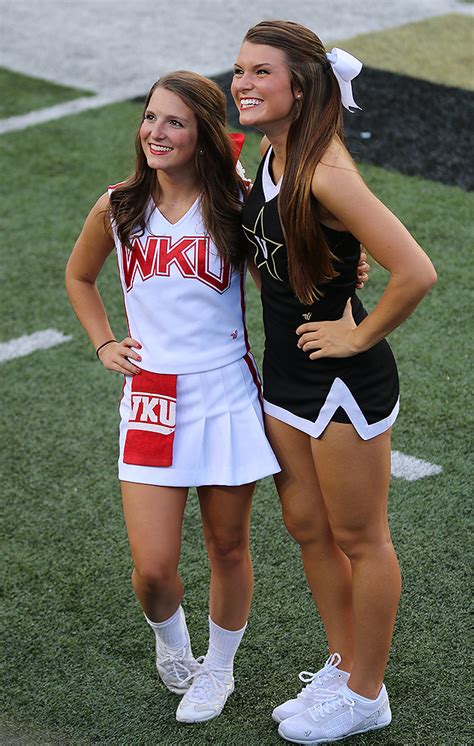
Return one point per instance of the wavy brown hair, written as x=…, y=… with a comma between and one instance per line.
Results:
x=222, y=188
x=318, y=118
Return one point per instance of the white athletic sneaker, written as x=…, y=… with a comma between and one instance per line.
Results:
x=207, y=695
x=319, y=686
x=176, y=666
x=338, y=717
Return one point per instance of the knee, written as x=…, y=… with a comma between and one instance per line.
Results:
x=154, y=578
x=359, y=543
x=304, y=530
x=229, y=549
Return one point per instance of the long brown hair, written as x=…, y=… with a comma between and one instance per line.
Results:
x=318, y=117
x=222, y=188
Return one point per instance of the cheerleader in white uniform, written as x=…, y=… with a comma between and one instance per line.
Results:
x=191, y=411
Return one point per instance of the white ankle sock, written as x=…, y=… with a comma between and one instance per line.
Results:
x=223, y=644
x=172, y=631
x=361, y=698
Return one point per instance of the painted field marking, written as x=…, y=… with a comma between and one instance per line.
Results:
x=75, y=106
x=411, y=468
x=30, y=343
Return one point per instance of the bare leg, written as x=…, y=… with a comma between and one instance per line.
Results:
x=225, y=513
x=327, y=568
x=154, y=516
x=354, y=478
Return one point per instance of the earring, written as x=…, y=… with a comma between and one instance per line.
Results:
x=201, y=152
x=298, y=95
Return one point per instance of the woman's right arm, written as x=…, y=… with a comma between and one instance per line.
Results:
x=88, y=256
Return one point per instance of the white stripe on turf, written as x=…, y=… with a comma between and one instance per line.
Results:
x=49, y=114
x=411, y=468
x=30, y=343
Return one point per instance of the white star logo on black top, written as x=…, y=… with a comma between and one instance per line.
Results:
x=267, y=247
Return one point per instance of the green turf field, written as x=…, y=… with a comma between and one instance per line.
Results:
x=438, y=49
x=22, y=93
x=78, y=657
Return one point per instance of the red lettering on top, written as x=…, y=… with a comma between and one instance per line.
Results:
x=191, y=255
x=175, y=254
x=140, y=259
x=218, y=282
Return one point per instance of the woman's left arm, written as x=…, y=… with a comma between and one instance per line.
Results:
x=254, y=272
x=343, y=192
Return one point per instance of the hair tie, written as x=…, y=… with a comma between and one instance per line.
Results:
x=345, y=67
x=109, y=341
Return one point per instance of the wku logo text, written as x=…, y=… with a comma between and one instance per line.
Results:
x=150, y=412
x=190, y=256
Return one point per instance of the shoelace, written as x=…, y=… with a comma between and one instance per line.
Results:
x=332, y=704
x=177, y=662
x=206, y=681
x=317, y=680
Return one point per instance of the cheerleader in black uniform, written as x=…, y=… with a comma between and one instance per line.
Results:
x=330, y=380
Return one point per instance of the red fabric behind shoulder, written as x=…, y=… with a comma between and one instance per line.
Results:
x=237, y=139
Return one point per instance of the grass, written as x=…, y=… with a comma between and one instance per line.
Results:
x=22, y=93
x=78, y=662
x=438, y=49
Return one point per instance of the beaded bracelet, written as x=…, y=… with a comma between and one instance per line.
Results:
x=109, y=341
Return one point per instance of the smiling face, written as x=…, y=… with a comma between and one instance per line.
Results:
x=261, y=88
x=169, y=133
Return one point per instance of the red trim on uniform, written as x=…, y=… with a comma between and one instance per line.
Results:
x=110, y=188
x=248, y=357
x=114, y=186
x=119, y=273
x=123, y=391
x=242, y=305
x=123, y=295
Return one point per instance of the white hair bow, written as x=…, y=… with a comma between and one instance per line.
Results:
x=345, y=67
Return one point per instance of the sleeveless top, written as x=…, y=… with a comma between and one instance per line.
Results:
x=282, y=310
x=308, y=394
x=183, y=302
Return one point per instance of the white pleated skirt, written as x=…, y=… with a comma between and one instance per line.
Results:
x=219, y=438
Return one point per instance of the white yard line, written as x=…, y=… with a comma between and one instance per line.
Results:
x=411, y=468
x=29, y=343
x=50, y=113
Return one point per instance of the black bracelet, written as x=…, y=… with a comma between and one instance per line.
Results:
x=109, y=341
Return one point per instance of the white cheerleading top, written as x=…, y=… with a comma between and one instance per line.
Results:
x=184, y=303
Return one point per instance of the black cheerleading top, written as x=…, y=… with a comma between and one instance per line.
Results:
x=305, y=393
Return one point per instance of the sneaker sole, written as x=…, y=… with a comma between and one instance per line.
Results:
x=181, y=719
x=340, y=738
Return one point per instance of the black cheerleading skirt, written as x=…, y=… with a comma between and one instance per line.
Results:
x=362, y=390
